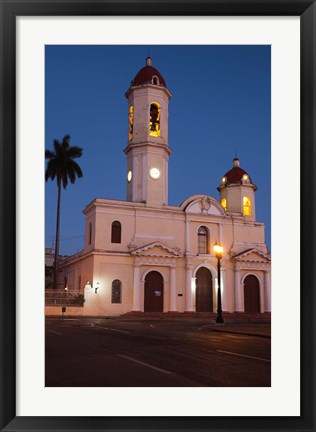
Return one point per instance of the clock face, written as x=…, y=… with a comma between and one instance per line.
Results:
x=154, y=173
x=129, y=176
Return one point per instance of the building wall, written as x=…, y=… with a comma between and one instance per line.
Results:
x=165, y=240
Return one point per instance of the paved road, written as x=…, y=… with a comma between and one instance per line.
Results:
x=136, y=353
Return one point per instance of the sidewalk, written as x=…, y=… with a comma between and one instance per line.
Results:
x=259, y=330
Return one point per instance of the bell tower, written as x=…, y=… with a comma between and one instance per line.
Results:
x=148, y=150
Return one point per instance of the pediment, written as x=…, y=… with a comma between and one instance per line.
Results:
x=203, y=204
x=252, y=255
x=156, y=249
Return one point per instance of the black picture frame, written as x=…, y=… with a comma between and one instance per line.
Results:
x=9, y=10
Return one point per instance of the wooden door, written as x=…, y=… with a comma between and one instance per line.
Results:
x=204, y=291
x=153, y=301
x=252, y=294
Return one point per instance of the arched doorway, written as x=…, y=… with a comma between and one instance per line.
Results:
x=204, y=291
x=252, y=294
x=153, y=298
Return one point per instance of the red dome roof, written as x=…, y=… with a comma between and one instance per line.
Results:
x=147, y=76
x=237, y=176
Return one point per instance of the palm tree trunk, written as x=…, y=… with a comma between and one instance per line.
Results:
x=57, y=237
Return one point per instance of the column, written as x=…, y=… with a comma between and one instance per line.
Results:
x=135, y=196
x=144, y=196
x=188, y=293
x=224, y=289
x=173, y=290
x=166, y=183
x=187, y=236
x=136, y=293
x=220, y=236
x=267, y=291
x=238, y=307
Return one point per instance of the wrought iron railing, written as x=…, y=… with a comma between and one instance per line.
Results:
x=64, y=298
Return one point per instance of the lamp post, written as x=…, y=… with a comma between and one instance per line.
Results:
x=218, y=249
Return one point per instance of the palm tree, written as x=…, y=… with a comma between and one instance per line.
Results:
x=62, y=166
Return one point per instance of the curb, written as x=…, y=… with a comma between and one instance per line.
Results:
x=244, y=333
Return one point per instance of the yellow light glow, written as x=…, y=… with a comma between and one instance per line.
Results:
x=130, y=122
x=245, y=177
x=155, y=133
x=246, y=206
x=154, y=119
x=224, y=203
x=224, y=180
x=218, y=249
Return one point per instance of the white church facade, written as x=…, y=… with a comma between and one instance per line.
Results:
x=143, y=255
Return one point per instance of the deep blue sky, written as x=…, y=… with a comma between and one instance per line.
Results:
x=221, y=106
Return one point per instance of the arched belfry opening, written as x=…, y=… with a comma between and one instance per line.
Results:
x=154, y=120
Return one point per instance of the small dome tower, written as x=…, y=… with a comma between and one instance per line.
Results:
x=237, y=192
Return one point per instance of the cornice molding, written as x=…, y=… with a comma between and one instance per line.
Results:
x=147, y=144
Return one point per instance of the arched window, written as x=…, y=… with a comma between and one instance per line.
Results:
x=203, y=240
x=90, y=233
x=246, y=206
x=116, y=232
x=155, y=80
x=130, y=122
x=116, y=294
x=154, y=120
x=224, y=203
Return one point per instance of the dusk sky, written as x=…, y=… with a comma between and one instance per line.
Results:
x=221, y=107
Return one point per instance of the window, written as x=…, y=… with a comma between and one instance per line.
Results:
x=130, y=122
x=90, y=232
x=155, y=80
x=116, y=291
x=246, y=206
x=202, y=240
x=116, y=232
x=154, y=120
x=224, y=203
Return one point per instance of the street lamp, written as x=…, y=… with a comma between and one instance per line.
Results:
x=218, y=249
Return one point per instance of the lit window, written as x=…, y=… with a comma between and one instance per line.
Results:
x=246, y=206
x=224, y=203
x=203, y=240
x=116, y=296
x=116, y=232
x=224, y=180
x=154, y=120
x=245, y=177
x=130, y=122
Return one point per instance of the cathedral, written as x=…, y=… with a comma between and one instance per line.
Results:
x=143, y=255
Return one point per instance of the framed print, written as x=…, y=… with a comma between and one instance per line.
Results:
x=44, y=40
